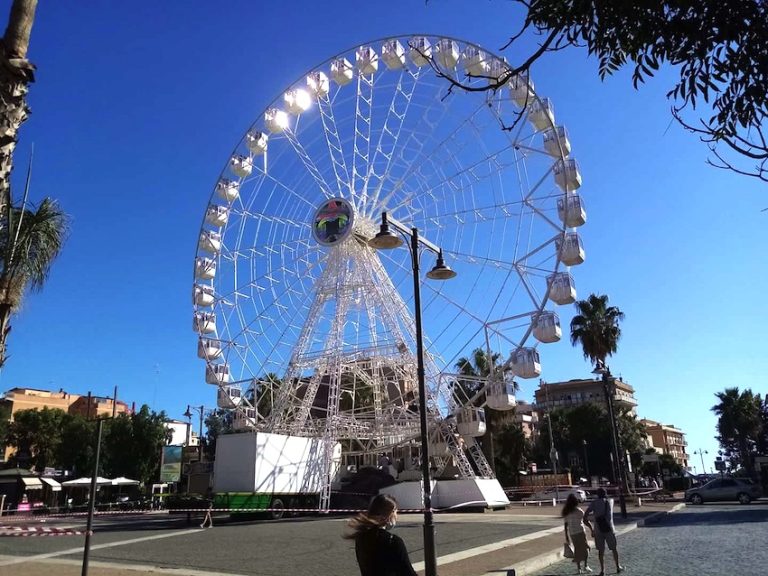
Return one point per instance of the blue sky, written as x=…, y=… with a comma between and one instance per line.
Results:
x=138, y=106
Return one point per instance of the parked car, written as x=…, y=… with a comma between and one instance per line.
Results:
x=741, y=490
x=561, y=493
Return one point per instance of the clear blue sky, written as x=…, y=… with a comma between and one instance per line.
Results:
x=138, y=105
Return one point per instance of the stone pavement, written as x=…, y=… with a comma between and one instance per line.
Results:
x=714, y=539
x=526, y=552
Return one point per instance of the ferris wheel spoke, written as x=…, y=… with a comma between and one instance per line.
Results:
x=418, y=155
x=390, y=134
x=335, y=148
x=361, y=152
x=294, y=194
x=308, y=163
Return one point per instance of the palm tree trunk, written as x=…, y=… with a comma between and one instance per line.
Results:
x=16, y=73
x=5, y=328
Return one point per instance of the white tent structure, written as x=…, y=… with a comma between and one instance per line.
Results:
x=85, y=481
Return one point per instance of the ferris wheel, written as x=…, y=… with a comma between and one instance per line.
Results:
x=305, y=328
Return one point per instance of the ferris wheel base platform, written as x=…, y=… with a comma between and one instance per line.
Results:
x=448, y=494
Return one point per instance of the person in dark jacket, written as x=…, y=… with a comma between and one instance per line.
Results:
x=378, y=551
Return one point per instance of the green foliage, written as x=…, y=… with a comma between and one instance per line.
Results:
x=741, y=425
x=217, y=422
x=30, y=240
x=596, y=327
x=590, y=422
x=719, y=49
x=36, y=435
x=512, y=452
x=132, y=445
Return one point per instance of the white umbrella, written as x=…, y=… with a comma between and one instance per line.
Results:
x=123, y=481
x=86, y=481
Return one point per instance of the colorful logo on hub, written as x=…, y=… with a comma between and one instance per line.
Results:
x=333, y=221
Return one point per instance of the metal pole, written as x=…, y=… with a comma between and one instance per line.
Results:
x=701, y=453
x=92, y=502
x=586, y=462
x=114, y=404
x=553, y=456
x=615, y=440
x=200, y=436
x=430, y=557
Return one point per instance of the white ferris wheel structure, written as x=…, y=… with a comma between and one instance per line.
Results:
x=308, y=330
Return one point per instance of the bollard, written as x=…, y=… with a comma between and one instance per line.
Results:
x=639, y=501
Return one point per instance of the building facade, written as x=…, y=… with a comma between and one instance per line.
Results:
x=17, y=399
x=667, y=440
x=552, y=395
x=527, y=417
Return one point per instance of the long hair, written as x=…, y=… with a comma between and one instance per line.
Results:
x=571, y=503
x=379, y=512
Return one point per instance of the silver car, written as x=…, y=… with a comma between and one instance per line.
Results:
x=744, y=491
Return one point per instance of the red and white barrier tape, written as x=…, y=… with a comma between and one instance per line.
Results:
x=35, y=531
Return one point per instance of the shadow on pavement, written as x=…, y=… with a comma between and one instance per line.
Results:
x=712, y=517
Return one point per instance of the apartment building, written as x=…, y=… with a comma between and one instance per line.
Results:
x=668, y=440
x=528, y=418
x=551, y=395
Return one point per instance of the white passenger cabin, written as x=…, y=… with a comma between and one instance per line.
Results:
x=297, y=101
x=500, y=395
x=203, y=295
x=420, y=51
x=217, y=374
x=318, y=84
x=447, y=52
x=471, y=421
x=570, y=249
x=521, y=89
x=526, y=363
x=209, y=241
x=342, y=71
x=208, y=349
x=257, y=142
x=205, y=268
x=497, y=68
x=546, y=327
x=571, y=210
x=367, y=60
x=217, y=215
x=244, y=419
x=228, y=189
x=541, y=113
x=475, y=61
x=229, y=397
x=276, y=120
x=567, y=175
x=393, y=54
x=562, y=288
x=555, y=139
x=241, y=165
x=204, y=322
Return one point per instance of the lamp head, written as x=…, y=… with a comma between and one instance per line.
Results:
x=188, y=413
x=441, y=271
x=385, y=239
x=600, y=368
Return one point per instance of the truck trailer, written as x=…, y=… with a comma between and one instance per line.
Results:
x=258, y=471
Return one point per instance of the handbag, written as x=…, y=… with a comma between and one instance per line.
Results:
x=567, y=550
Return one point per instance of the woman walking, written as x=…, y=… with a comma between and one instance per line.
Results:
x=574, y=532
x=378, y=551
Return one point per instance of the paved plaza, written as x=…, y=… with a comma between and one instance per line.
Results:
x=708, y=540
x=694, y=540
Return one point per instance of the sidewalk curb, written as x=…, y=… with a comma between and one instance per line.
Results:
x=536, y=563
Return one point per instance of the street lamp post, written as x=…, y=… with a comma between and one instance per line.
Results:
x=608, y=386
x=386, y=239
x=188, y=416
x=586, y=461
x=701, y=453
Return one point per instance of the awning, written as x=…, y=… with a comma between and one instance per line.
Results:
x=32, y=483
x=55, y=486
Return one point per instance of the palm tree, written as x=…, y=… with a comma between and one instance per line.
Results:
x=480, y=366
x=596, y=328
x=16, y=73
x=30, y=240
x=739, y=422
